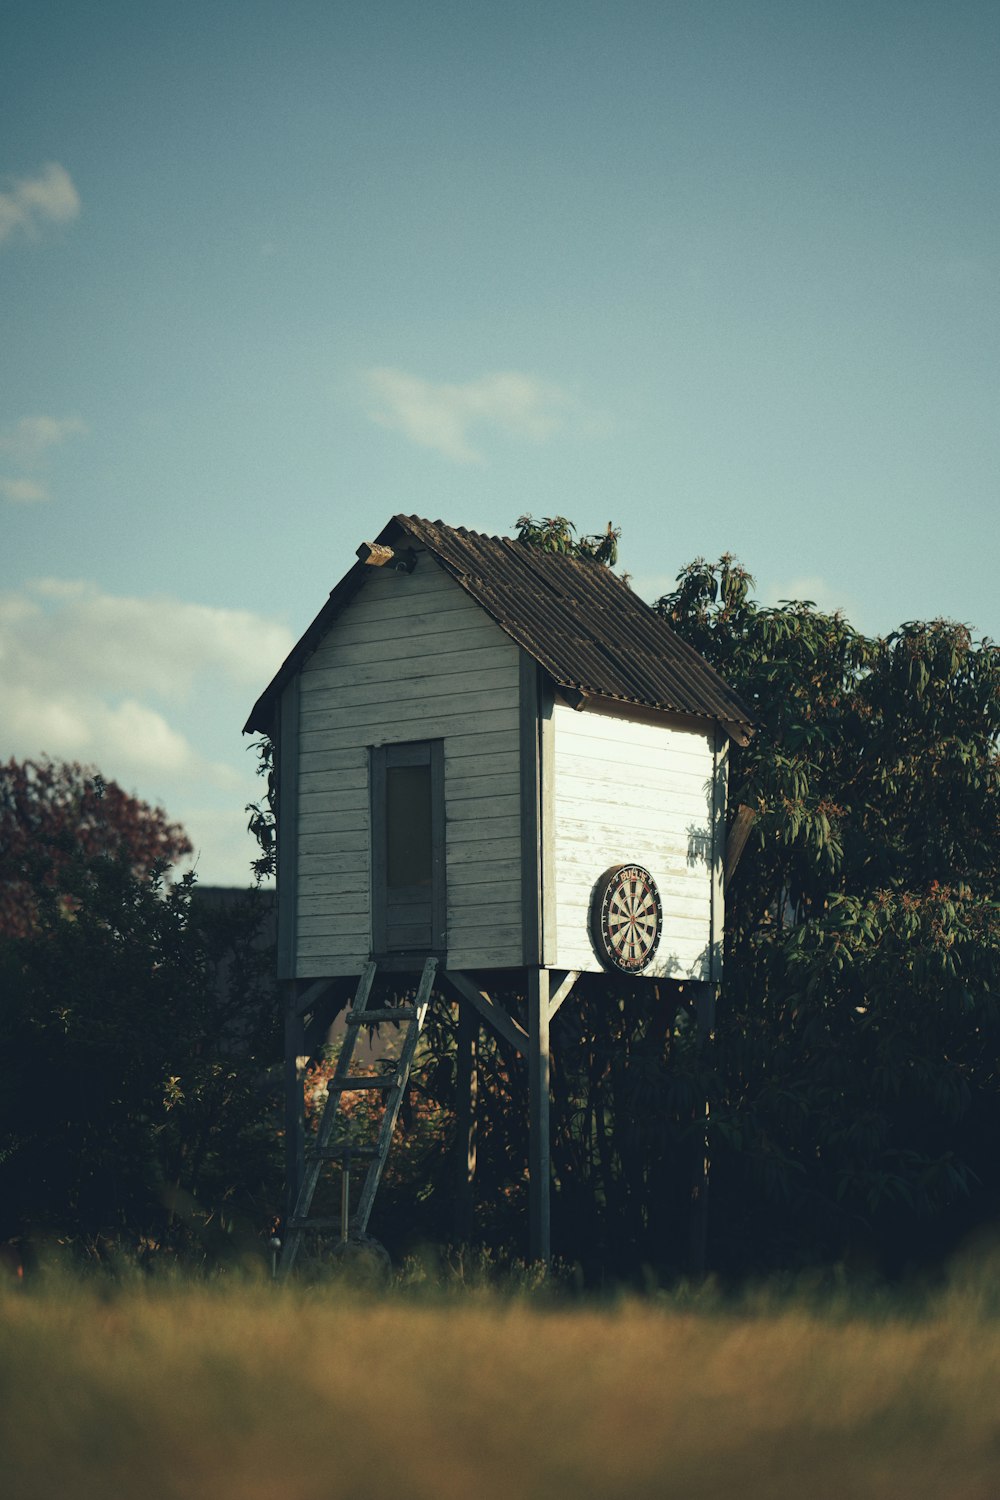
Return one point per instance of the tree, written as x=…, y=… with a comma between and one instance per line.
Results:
x=136, y=1035
x=51, y=812
x=857, y=1080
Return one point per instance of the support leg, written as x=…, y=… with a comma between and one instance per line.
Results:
x=539, y=1167
x=467, y=1088
x=704, y=1012
x=294, y=1102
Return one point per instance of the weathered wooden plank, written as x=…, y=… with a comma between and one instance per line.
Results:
x=355, y=841
x=395, y=599
x=333, y=924
x=325, y=955
x=287, y=769
x=489, y=916
x=484, y=830
x=483, y=852
x=362, y=1084
x=547, y=811
x=621, y=729
x=342, y=929
x=384, y=1013
x=320, y=770
x=350, y=901
x=561, y=993
x=488, y=784
x=497, y=683
x=529, y=812
x=443, y=700
x=437, y=615
x=677, y=852
x=332, y=863
x=347, y=816
x=637, y=789
x=499, y=746
x=737, y=840
x=437, y=638
x=479, y=936
x=510, y=1029
x=319, y=792
x=652, y=823
x=718, y=862
x=310, y=997
x=316, y=892
x=321, y=736
x=688, y=795
x=492, y=871
x=347, y=967
x=539, y=1165
x=575, y=821
x=410, y=658
x=484, y=895
x=686, y=759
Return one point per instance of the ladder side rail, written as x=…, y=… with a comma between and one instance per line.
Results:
x=314, y=1167
x=343, y=1066
x=373, y=1177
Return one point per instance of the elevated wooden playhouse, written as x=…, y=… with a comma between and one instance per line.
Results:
x=489, y=758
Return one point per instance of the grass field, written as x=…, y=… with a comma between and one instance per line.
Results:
x=243, y=1391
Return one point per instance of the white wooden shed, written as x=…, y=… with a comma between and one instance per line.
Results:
x=501, y=759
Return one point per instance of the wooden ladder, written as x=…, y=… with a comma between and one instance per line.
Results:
x=392, y=1084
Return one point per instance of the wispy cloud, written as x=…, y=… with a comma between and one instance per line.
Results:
x=26, y=444
x=27, y=203
x=22, y=491
x=826, y=596
x=139, y=687
x=441, y=415
x=72, y=633
x=29, y=440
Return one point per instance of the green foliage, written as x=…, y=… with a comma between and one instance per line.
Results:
x=556, y=534
x=855, y=1079
x=857, y=1067
x=263, y=822
x=135, y=1034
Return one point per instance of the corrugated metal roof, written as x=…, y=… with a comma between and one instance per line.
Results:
x=578, y=619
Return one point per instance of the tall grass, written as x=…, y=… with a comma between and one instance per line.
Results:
x=241, y=1390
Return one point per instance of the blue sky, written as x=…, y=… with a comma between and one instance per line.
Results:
x=725, y=273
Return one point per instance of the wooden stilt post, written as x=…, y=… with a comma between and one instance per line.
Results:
x=467, y=1088
x=539, y=1167
x=704, y=1013
x=294, y=1102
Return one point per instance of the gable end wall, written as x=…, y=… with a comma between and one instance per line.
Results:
x=410, y=658
x=628, y=792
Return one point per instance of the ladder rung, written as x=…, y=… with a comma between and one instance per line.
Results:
x=295, y=1224
x=331, y=1153
x=347, y=1084
x=387, y=1013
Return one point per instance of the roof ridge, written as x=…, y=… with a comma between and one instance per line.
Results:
x=587, y=629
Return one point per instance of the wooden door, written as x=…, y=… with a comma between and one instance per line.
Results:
x=408, y=861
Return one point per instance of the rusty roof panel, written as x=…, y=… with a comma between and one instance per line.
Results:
x=577, y=618
x=582, y=622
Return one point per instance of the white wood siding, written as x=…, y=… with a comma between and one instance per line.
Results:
x=628, y=792
x=411, y=658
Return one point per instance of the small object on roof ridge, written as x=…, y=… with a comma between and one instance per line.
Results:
x=377, y=555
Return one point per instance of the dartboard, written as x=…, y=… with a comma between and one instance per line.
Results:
x=626, y=918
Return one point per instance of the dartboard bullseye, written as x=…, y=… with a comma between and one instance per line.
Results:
x=626, y=918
